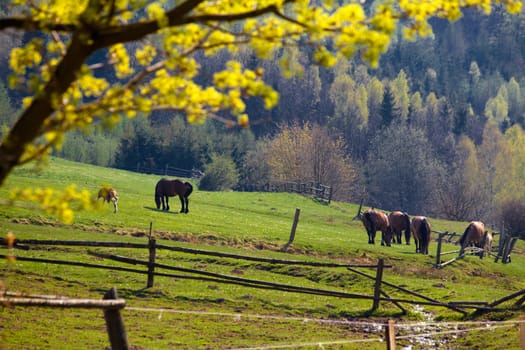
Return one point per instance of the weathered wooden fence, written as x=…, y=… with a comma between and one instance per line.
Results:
x=111, y=305
x=167, y=170
x=504, y=248
x=152, y=267
x=317, y=191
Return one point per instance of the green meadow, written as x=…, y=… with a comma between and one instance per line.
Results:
x=180, y=313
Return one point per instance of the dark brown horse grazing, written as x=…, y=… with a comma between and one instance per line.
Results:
x=373, y=221
x=473, y=235
x=168, y=188
x=109, y=194
x=421, y=230
x=399, y=222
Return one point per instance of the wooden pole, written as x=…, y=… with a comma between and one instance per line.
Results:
x=115, y=324
x=438, y=252
x=522, y=332
x=151, y=262
x=390, y=335
x=377, y=287
x=358, y=215
x=294, y=226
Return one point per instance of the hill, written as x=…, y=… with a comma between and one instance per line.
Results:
x=194, y=314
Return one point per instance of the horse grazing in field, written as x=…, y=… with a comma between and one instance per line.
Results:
x=421, y=230
x=399, y=222
x=474, y=235
x=374, y=221
x=169, y=188
x=486, y=244
x=109, y=194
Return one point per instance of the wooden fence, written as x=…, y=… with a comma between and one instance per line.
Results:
x=152, y=267
x=320, y=192
x=111, y=305
x=167, y=170
x=504, y=248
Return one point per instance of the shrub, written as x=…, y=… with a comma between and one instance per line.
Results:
x=219, y=175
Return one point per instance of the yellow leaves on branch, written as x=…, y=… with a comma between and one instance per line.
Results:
x=61, y=203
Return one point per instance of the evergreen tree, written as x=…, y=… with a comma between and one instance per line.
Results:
x=388, y=110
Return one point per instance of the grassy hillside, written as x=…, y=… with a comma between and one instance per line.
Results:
x=254, y=224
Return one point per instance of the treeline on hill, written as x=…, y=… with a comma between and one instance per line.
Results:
x=435, y=130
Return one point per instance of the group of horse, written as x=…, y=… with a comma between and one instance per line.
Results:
x=393, y=225
x=164, y=189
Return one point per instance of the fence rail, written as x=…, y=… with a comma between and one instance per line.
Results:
x=167, y=170
x=317, y=191
x=378, y=294
x=505, y=245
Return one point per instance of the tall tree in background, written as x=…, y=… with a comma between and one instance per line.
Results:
x=308, y=153
x=459, y=193
x=389, y=110
x=402, y=171
x=510, y=166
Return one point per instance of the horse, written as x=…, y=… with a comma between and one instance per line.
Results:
x=109, y=194
x=399, y=222
x=474, y=235
x=421, y=230
x=377, y=221
x=486, y=244
x=169, y=188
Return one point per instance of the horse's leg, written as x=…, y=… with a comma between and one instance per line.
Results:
x=167, y=203
x=386, y=237
x=181, y=203
x=187, y=200
x=115, y=207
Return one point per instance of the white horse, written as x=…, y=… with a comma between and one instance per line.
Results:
x=109, y=194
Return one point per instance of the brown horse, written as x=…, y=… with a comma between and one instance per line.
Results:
x=399, y=222
x=109, y=194
x=474, y=235
x=168, y=188
x=421, y=230
x=373, y=221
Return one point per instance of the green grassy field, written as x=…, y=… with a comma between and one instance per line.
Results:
x=187, y=314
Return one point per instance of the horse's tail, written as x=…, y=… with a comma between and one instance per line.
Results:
x=425, y=235
x=189, y=189
x=407, y=228
x=371, y=225
x=157, y=196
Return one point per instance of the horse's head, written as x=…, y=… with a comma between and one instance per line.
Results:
x=157, y=201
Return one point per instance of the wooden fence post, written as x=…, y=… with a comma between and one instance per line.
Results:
x=377, y=286
x=522, y=332
x=152, y=245
x=438, y=252
x=294, y=225
x=115, y=324
x=390, y=335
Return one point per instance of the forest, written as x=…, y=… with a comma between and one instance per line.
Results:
x=435, y=129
